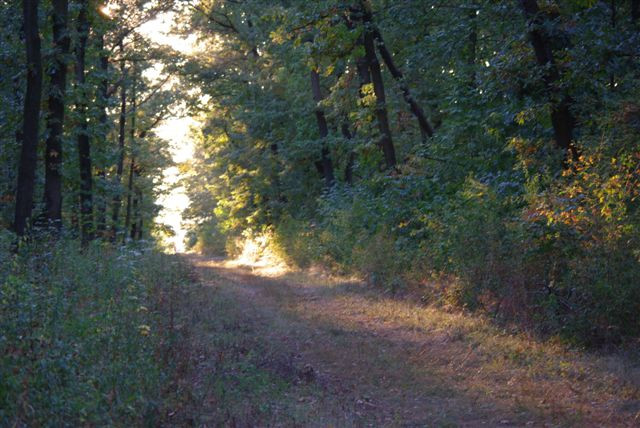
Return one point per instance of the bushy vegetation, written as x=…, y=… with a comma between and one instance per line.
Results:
x=557, y=260
x=87, y=335
x=498, y=154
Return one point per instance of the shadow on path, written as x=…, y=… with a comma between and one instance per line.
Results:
x=396, y=363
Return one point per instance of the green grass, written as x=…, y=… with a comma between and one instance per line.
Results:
x=87, y=335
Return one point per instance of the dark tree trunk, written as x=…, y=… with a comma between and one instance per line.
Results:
x=127, y=219
x=55, y=117
x=473, y=48
x=327, y=165
x=425, y=127
x=103, y=96
x=386, y=141
x=614, y=22
x=561, y=117
x=134, y=226
x=363, y=73
x=84, y=147
x=136, y=215
x=140, y=220
x=117, y=199
x=635, y=11
x=31, y=119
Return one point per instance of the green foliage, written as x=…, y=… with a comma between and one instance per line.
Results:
x=487, y=202
x=86, y=335
x=207, y=239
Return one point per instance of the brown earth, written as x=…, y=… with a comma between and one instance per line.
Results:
x=274, y=347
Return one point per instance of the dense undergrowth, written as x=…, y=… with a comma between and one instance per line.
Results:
x=87, y=335
x=555, y=263
x=559, y=260
x=521, y=200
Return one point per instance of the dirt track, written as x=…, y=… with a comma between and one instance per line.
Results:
x=353, y=357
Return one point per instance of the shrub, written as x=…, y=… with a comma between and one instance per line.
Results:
x=85, y=335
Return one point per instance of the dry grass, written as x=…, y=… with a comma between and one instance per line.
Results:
x=372, y=359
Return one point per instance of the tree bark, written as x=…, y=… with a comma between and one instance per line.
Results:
x=136, y=215
x=386, y=141
x=327, y=165
x=132, y=169
x=127, y=218
x=139, y=228
x=425, y=127
x=103, y=96
x=31, y=119
x=117, y=199
x=55, y=117
x=473, y=48
x=635, y=11
x=561, y=117
x=84, y=145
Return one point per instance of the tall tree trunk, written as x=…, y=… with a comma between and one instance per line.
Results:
x=55, y=117
x=635, y=11
x=132, y=169
x=84, y=147
x=31, y=119
x=136, y=215
x=140, y=219
x=561, y=117
x=614, y=22
x=327, y=165
x=386, y=141
x=473, y=47
x=425, y=127
x=117, y=199
x=103, y=95
x=127, y=217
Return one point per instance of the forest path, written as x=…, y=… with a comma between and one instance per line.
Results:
x=302, y=349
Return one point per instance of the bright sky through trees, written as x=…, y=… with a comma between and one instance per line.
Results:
x=176, y=130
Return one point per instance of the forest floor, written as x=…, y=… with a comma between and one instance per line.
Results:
x=275, y=347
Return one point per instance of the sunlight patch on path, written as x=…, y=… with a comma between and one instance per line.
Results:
x=258, y=256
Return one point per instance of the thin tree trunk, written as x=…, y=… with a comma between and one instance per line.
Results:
x=327, y=165
x=561, y=117
x=635, y=11
x=473, y=48
x=117, y=199
x=31, y=119
x=136, y=215
x=103, y=95
x=425, y=127
x=140, y=219
x=614, y=19
x=55, y=117
x=132, y=169
x=84, y=145
x=386, y=141
x=127, y=217
x=134, y=225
